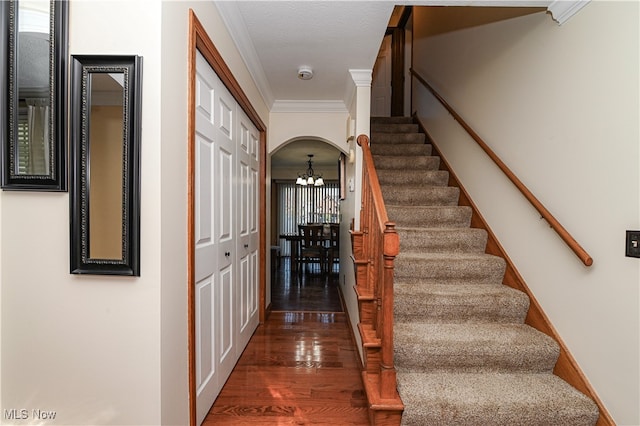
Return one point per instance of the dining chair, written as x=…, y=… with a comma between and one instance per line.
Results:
x=333, y=250
x=311, y=248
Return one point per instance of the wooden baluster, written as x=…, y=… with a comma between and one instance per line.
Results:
x=391, y=244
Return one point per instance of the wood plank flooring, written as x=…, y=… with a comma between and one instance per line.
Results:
x=308, y=292
x=301, y=367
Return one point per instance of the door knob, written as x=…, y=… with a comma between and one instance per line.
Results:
x=246, y=245
x=227, y=253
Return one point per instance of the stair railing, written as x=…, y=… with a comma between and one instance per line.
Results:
x=380, y=245
x=553, y=222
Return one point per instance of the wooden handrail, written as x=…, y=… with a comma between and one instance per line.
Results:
x=376, y=192
x=553, y=222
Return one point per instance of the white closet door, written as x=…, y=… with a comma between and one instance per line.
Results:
x=216, y=324
x=207, y=280
x=226, y=234
x=248, y=238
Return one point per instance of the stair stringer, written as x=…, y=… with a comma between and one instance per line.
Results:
x=566, y=366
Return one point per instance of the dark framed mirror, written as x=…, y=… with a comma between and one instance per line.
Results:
x=33, y=93
x=105, y=164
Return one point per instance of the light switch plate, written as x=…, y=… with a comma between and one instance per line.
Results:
x=633, y=244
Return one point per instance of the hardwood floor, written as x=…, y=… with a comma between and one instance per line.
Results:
x=308, y=292
x=301, y=367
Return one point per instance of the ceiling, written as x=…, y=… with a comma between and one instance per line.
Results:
x=276, y=38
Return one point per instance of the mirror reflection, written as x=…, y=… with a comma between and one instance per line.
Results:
x=106, y=107
x=106, y=135
x=33, y=92
x=34, y=154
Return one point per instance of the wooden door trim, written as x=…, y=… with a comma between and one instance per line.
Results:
x=397, y=71
x=200, y=41
x=397, y=61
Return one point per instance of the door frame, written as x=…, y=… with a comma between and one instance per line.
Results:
x=200, y=41
x=397, y=61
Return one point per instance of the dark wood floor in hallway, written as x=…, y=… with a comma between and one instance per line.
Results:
x=301, y=366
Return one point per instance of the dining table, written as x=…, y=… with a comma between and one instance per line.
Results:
x=294, y=241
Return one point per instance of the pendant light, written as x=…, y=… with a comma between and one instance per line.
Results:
x=309, y=178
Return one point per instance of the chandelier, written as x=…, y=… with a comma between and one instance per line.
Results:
x=310, y=178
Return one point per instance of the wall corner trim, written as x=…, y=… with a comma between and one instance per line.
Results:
x=562, y=10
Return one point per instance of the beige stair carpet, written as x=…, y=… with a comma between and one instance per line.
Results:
x=462, y=351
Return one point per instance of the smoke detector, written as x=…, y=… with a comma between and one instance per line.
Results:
x=305, y=73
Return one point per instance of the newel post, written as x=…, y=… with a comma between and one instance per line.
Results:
x=391, y=248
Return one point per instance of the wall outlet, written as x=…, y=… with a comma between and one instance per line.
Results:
x=633, y=244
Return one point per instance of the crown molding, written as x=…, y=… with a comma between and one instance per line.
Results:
x=237, y=28
x=562, y=10
x=308, y=106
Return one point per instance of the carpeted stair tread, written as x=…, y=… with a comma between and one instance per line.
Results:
x=404, y=149
x=407, y=162
x=394, y=128
x=498, y=399
x=473, y=347
x=400, y=177
x=397, y=138
x=442, y=303
x=449, y=268
x=426, y=196
x=442, y=240
x=429, y=216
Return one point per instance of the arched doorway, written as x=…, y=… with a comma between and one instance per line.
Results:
x=314, y=286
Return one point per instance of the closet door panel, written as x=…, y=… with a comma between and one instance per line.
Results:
x=226, y=231
x=206, y=248
x=247, y=247
x=205, y=367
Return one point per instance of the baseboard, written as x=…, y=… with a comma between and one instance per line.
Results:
x=351, y=332
x=267, y=312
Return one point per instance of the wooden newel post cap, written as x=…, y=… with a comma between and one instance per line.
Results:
x=363, y=140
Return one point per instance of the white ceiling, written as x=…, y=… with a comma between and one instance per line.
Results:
x=276, y=38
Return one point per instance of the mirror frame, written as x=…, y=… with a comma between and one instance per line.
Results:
x=82, y=67
x=56, y=180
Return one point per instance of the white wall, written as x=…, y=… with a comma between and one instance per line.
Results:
x=111, y=350
x=559, y=105
x=328, y=126
x=323, y=127
x=86, y=347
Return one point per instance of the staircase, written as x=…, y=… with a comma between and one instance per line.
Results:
x=463, y=354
